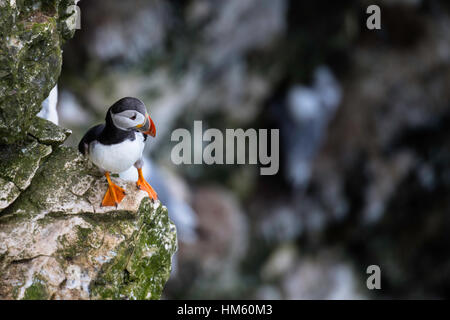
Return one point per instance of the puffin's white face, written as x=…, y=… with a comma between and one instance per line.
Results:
x=128, y=119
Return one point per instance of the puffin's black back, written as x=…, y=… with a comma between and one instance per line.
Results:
x=90, y=136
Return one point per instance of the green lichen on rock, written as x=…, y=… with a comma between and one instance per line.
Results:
x=57, y=242
x=142, y=265
x=19, y=162
x=32, y=33
x=18, y=165
x=36, y=291
x=8, y=193
x=47, y=132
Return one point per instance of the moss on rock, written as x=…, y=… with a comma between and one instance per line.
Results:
x=56, y=242
x=8, y=193
x=56, y=232
x=142, y=265
x=46, y=132
x=19, y=162
x=18, y=165
x=32, y=34
x=36, y=291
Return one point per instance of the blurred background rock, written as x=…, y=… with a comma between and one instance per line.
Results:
x=365, y=159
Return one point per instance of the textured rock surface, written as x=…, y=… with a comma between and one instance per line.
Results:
x=57, y=243
x=18, y=164
x=47, y=132
x=32, y=33
x=8, y=193
x=55, y=240
x=20, y=161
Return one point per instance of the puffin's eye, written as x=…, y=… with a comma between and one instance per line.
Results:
x=133, y=117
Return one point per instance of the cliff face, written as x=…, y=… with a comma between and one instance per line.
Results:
x=56, y=242
x=32, y=33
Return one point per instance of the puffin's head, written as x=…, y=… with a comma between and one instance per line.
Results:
x=131, y=114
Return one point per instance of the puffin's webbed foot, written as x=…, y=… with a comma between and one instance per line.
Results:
x=113, y=195
x=144, y=185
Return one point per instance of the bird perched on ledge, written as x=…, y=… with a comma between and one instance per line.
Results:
x=117, y=145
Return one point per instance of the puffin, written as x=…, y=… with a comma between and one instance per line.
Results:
x=117, y=145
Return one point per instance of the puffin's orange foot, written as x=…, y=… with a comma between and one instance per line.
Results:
x=144, y=185
x=113, y=196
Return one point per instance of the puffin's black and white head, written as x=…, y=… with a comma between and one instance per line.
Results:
x=131, y=114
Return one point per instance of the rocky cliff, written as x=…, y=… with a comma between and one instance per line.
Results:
x=56, y=242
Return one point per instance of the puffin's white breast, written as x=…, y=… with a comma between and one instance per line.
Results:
x=118, y=157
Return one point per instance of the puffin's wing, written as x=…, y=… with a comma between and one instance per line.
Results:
x=90, y=136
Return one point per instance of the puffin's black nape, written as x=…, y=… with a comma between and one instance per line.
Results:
x=128, y=103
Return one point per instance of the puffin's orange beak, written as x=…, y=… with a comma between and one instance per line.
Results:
x=152, y=130
x=148, y=127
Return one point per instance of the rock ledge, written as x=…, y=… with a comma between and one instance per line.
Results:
x=56, y=242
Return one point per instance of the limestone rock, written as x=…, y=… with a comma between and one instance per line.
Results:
x=32, y=33
x=8, y=193
x=19, y=162
x=56, y=242
x=47, y=132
